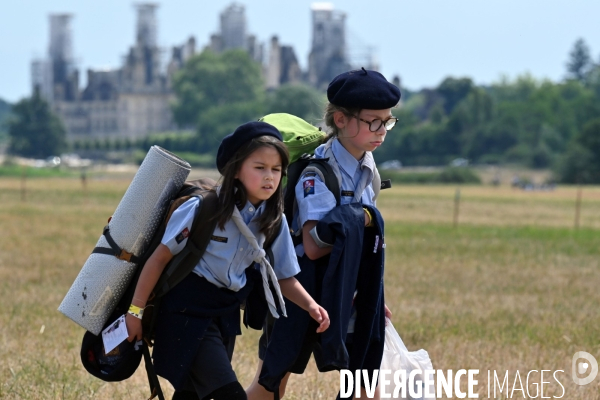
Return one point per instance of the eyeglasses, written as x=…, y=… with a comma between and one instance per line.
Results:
x=376, y=124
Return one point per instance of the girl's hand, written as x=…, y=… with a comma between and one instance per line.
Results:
x=320, y=315
x=134, y=327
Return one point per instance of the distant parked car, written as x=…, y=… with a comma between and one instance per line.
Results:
x=459, y=162
x=53, y=161
x=73, y=160
x=390, y=164
x=49, y=162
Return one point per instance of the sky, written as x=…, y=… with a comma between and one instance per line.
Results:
x=420, y=41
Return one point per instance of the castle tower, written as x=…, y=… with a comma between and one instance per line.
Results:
x=233, y=27
x=146, y=34
x=328, y=56
x=273, y=67
x=60, y=47
x=62, y=73
x=142, y=68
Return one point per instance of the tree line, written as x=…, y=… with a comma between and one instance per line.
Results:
x=4, y=113
x=525, y=121
x=535, y=123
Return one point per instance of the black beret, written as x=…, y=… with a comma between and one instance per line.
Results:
x=364, y=89
x=244, y=133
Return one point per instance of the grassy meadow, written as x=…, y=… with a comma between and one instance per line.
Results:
x=513, y=287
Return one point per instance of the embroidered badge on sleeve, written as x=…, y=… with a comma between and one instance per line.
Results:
x=182, y=235
x=309, y=187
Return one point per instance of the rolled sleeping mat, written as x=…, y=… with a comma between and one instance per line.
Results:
x=104, y=278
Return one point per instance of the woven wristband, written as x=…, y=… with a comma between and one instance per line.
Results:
x=136, y=311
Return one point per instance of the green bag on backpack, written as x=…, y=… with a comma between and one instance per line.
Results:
x=301, y=140
x=299, y=136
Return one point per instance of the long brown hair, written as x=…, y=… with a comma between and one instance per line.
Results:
x=228, y=197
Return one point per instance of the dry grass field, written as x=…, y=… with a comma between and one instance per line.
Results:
x=514, y=287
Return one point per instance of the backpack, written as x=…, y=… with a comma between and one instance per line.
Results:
x=122, y=362
x=301, y=140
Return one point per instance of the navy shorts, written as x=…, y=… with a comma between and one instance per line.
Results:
x=211, y=368
x=308, y=347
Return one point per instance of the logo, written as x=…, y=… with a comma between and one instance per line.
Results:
x=309, y=187
x=579, y=368
x=182, y=235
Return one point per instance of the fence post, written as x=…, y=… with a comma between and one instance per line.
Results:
x=23, y=183
x=456, y=207
x=578, y=207
x=84, y=184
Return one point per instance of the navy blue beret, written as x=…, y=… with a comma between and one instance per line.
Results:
x=364, y=89
x=244, y=133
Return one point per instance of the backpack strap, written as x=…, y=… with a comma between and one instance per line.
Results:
x=115, y=250
x=183, y=263
x=307, y=163
x=378, y=184
x=321, y=167
x=153, y=382
x=202, y=229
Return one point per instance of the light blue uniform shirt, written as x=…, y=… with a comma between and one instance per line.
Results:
x=228, y=253
x=315, y=200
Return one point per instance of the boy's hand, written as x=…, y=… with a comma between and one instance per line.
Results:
x=320, y=315
x=134, y=327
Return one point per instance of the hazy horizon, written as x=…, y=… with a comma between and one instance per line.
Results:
x=422, y=43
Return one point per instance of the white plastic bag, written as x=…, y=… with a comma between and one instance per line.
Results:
x=396, y=357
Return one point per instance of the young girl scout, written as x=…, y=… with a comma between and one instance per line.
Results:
x=359, y=115
x=200, y=317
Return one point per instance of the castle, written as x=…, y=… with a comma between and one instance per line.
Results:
x=134, y=100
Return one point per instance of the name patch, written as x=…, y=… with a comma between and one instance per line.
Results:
x=219, y=239
x=347, y=193
x=182, y=235
x=309, y=187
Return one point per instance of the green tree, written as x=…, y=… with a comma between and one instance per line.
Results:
x=217, y=92
x=213, y=80
x=579, y=60
x=297, y=99
x=4, y=112
x=581, y=163
x=4, y=116
x=34, y=131
x=399, y=141
x=453, y=91
x=217, y=122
